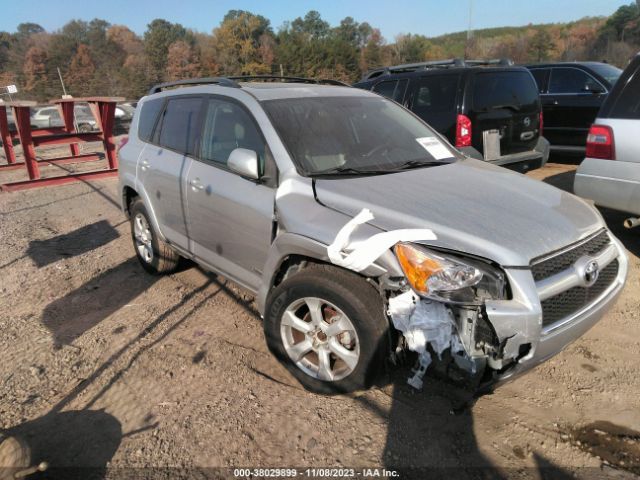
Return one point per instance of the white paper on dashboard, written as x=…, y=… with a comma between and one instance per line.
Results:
x=435, y=147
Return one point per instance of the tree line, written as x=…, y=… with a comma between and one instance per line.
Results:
x=97, y=58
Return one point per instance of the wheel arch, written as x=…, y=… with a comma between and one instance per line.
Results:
x=291, y=252
x=129, y=194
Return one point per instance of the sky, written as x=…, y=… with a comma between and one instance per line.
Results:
x=425, y=17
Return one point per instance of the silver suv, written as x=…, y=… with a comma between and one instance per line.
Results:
x=361, y=231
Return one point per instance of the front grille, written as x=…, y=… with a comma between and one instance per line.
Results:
x=562, y=261
x=570, y=301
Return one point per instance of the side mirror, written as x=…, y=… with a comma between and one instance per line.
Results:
x=593, y=88
x=244, y=162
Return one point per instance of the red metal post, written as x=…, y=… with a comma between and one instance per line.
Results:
x=7, y=141
x=66, y=110
x=23, y=123
x=104, y=111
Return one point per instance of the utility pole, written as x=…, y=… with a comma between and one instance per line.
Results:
x=64, y=90
x=470, y=30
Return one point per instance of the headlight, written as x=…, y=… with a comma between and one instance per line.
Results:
x=448, y=278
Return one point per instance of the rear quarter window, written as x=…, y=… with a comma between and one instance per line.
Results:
x=393, y=89
x=505, y=89
x=436, y=93
x=148, y=115
x=540, y=75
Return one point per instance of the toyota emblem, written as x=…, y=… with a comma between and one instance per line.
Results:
x=591, y=273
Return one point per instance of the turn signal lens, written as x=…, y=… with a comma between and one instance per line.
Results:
x=430, y=273
x=417, y=266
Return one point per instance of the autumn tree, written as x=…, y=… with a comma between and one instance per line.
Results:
x=102, y=59
x=540, y=45
x=127, y=40
x=158, y=38
x=410, y=48
x=81, y=72
x=182, y=62
x=35, y=72
x=374, y=54
x=238, y=45
x=136, y=76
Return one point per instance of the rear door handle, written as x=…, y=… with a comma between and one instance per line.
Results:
x=196, y=185
x=145, y=165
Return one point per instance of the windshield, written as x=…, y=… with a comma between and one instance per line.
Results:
x=354, y=135
x=608, y=72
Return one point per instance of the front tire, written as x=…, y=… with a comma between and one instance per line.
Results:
x=154, y=255
x=326, y=325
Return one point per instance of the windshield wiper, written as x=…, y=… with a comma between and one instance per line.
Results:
x=348, y=170
x=419, y=163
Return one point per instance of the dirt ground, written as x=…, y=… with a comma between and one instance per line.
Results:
x=105, y=366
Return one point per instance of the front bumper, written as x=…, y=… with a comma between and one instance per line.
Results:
x=519, y=320
x=520, y=162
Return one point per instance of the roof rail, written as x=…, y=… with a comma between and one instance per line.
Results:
x=222, y=81
x=274, y=78
x=452, y=62
x=503, y=62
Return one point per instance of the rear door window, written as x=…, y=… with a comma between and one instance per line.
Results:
x=572, y=80
x=179, y=124
x=148, y=115
x=627, y=104
x=515, y=90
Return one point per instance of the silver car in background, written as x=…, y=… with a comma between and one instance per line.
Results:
x=610, y=173
x=49, y=116
x=361, y=231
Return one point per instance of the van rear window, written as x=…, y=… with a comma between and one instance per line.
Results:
x=148, y=115
x=515, y=90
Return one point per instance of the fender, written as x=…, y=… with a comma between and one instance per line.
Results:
x=288, y=244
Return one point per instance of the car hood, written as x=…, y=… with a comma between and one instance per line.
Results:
x=471, y=206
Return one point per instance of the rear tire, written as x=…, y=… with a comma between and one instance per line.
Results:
x=345, y=339
x=154, y=255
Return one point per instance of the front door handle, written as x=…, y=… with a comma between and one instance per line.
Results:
x=145, y=165
x=196, y=185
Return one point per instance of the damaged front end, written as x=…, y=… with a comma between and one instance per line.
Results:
x=441, y=304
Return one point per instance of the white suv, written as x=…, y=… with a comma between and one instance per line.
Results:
x=615, y=184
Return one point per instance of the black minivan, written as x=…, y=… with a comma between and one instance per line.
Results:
x=488, y=110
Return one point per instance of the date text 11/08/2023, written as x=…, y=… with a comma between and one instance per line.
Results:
x=314, y=473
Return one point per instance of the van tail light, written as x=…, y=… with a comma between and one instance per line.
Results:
x=463, y=131
x=123, y=142
x=600, y=143
x=541, y=123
